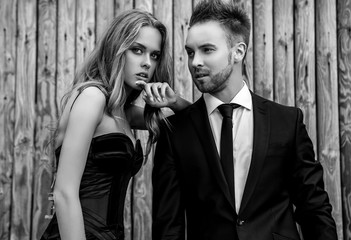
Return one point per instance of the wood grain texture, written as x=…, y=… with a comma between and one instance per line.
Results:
x=45, y=114
x=163, y=11
x=66, y=48
x=344, y=75
x=7, y=106
x=146, y=5
x=142, y=195
x=29, y=95
x=305, y=61
x=327, y=104
x=104, y=15
x=248, y=62
x=24, y=120
x=127, y=221
x=183, y=84
x=85, y=38
x=283, y=53
x=122, y=5
x=263, y=47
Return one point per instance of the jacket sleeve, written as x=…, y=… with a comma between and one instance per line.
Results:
x=313, y=210
x=167, y=206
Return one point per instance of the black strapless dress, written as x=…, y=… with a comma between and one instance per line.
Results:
x=112, y=161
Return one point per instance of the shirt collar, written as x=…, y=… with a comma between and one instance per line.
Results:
x=243, y=98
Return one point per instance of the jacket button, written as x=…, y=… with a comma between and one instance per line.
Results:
x=240, y=222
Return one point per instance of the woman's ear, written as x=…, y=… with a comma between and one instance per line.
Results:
x=239, y=51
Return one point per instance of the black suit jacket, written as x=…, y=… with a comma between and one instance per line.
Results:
x=187, y=177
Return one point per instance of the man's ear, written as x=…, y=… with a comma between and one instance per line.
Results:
x=239, y=51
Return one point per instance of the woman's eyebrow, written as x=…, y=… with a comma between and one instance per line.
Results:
x=144, y=47
x=139, y=45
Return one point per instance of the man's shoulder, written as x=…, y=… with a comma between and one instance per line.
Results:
x=272, y=105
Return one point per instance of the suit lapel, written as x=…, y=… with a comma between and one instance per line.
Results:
x=260, y=145
x=201, y=123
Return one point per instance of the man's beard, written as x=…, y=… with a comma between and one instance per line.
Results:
x=217, y=82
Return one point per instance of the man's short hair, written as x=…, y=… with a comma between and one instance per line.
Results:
x=232, y=17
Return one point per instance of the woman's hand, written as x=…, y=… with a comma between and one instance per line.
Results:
x=158, y=94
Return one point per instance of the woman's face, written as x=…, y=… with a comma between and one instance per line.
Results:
x=142, y=57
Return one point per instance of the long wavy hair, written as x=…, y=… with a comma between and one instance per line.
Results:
x=104, y=68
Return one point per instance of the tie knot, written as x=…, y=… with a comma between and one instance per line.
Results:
x=227, y=109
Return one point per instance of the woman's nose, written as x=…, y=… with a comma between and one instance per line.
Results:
x=146, y=62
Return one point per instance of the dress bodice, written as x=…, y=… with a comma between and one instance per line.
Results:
x=111, y=162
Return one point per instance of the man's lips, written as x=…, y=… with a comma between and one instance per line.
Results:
x=200, y=75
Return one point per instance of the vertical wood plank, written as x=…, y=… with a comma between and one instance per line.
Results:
x=122, y=5
x=142, y=195
x=284, y=87
x=66, y=37
x=327, y=104
x=104, y=15
x=127, y=214
x=263, y=47
x=163, y=11
x=7, y=107
x=305, y=77
x=248, y=62
x=24, y=120
x=45, y=114
x=85, y=40
x=146, y=5
x=183, y=84
x=344, y=74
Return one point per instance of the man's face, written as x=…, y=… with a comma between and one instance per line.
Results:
x=209, y=57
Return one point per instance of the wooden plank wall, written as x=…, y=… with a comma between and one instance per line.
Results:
x=299, y=54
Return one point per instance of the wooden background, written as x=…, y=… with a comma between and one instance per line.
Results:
x=300, y=54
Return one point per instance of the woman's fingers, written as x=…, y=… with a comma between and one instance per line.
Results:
x=155, y=91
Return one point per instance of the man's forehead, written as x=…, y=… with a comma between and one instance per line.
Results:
x=209, y=32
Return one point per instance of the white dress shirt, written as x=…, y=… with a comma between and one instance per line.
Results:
x=242, y=135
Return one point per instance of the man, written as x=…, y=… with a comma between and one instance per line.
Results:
x=241, y=183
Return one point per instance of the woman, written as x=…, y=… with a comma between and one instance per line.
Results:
x=96, y=150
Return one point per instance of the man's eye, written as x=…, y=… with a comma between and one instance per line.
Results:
x=190, y=53
x=208, y=50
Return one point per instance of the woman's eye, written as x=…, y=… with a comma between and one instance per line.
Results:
x=155, y=56
x=137, y=50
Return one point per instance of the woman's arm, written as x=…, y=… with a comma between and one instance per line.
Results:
x=83, y=119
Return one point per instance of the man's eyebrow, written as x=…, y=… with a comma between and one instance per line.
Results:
x=202, y=46
x=207, y=45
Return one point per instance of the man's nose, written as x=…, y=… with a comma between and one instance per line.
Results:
x=197, y=60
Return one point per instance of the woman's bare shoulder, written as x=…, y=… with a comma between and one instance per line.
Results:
x=89, y=102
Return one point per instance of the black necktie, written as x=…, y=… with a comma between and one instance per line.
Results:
x=226, y=148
